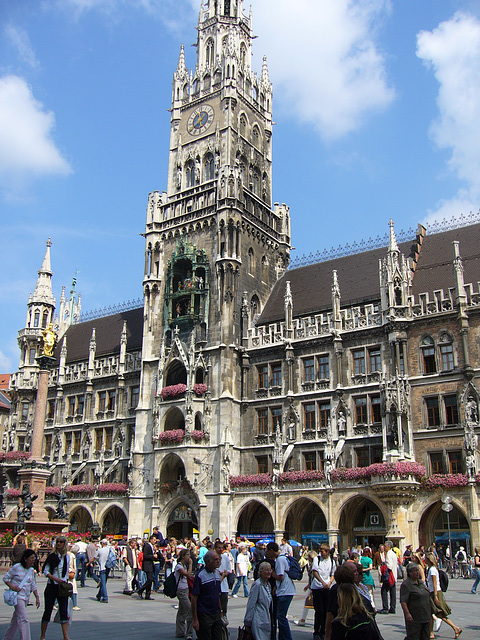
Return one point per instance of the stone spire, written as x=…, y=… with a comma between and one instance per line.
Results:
x=265, y=79
x=392, y=244
x=43, y=289
x=181, y=67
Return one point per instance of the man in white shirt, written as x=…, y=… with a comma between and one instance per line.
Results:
x=391, y=562
x=286, y=548
x=322, y=577
x=81, y=559
x=285, y=589
x=101, y=556
x=242, y=571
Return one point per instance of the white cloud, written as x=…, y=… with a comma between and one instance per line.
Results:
x=26, y=145
x=19, y=39
x=326, y=65
x=5, y=363
x=324, y=60
x=452, y=50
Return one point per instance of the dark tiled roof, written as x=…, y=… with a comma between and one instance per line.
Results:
x=4, y=401
x=435, y=266
x=311, y=286
x=358, y=276
x=108, y=331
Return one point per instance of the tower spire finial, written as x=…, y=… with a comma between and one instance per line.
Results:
x=392, y=245
x=181, y=68
x=43, y=289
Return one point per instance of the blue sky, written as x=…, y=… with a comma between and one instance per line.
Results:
x=377, y=105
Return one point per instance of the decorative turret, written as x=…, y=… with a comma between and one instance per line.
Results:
x=41, y=308
x=395, y=281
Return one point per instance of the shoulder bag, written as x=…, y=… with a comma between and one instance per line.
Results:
x=11, y=597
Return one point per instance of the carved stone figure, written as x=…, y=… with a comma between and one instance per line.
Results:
x=471, y=410
x=341, y=423
x=60, y=512
x=28, y=500
x=291, y=430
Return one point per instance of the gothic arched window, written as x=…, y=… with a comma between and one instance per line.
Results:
x=36, y=318
x=264, y=268
x=251, y=261
x=243, y=55
x=428, y=353
x=446, y=352
x=190, y=173
x=255, y=136
x=210, y=53
x=45, y=319
x=196, y=86
x=256, y=181
x=185, y=90
x=243, y=125
x=209, y=167
x=207, y=82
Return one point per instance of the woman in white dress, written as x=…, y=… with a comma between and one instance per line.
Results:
x=13, y=579
x=258, y=616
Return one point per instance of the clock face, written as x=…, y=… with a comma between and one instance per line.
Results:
x=200, y=119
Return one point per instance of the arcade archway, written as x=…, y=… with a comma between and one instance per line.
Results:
x=80, y=520
x=306, y=523
x=434, y=527
x=115, y=522
x=361, y=523
x=255, y=521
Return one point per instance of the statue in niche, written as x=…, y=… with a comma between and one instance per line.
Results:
x=471, y=410
x=291, y=430
x=118, y=448
x=470, y=443
x=341, y=423
x=179, y=177
x=329, y=461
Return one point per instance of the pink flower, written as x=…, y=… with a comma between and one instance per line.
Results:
x=253, y=480
x=173, y=391
x=119, y=488
x=175, y=435
x=197, y=435
x=199, y=389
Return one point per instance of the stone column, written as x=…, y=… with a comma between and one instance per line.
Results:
x=34, y=472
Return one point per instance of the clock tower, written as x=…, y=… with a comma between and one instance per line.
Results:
x=214, y=245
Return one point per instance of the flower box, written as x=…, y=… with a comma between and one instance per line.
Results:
x=445, y=481
x=174, y=436
x=197, y=435
x=199, y=389
x=296, y=477
x=173, y=391
x=74, y=490
x=113, y=488
x=251, y=480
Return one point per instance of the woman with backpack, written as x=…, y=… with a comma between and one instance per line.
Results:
x=440, y=607
x=183, y=571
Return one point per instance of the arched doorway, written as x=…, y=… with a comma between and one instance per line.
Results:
x=182, y=521
x=115, y=522
x=80, y=520
x=434, y=528
x=361, y=523
x=306, y=523
x=255, y=521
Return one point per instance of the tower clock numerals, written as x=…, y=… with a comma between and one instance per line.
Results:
x=200, y=119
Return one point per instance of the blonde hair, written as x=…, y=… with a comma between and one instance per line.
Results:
x=64, y=551
x=431, y=559
x=349, y=603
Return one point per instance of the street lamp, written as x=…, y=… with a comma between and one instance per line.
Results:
x=447, y=506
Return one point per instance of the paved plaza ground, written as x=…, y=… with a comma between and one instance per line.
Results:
x=127, y=617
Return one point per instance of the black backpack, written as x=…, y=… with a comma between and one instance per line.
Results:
x=170, y=585
x=443, y=579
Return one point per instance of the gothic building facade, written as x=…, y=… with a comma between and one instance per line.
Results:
x=335, y=401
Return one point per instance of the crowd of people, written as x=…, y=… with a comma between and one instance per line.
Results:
x=340, y=586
